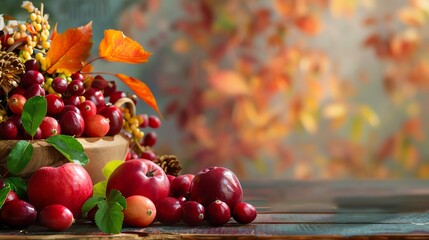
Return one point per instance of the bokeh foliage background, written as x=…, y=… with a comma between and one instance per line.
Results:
x=297, y=89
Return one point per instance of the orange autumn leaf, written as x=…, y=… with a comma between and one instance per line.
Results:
x=69, y=50
x=140, y=89
x=116, y=47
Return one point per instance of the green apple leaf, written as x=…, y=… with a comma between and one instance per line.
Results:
x=71, y=148
x=91, y=203
x=110, y=167
x=33, y=113
x=116, y=197
x=99, y=189
x=18, y=185
x=19, y=157
x=109, y=217
x=3, y=194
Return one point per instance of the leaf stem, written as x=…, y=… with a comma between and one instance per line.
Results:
x=89, y=62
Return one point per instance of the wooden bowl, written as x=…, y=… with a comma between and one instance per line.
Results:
x=99, y=151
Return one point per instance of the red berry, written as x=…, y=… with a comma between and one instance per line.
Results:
x=72, y=108
x=115, y=116
x=31, y=64
x=145, y=122
x=18, y=214
x=32, y=77
x=154, y=122
x=193, y=213
x=8, y=130
x=149, y=139
x=56, y=217
x=77, y=76
x=16, y=103
x=218, y=213
x=11, y=196
x=110, y=88
x=149, y=155
x=96, y=126
x=76, y=88
x=49, y=127
x=95, y=95
x=99, y=82
x=25, y=135
x=72, y=124
x=87, y=108
x=72, y=100
x=34, y=90
x=115, y=96
x=55, y=104
x=244, y=213
x=180, y=185
x=59, y=85
x=168, y=210
x=170, y=178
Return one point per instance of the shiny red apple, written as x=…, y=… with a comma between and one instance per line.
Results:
x=69, y=185
x=216, y=183
x=140, y=177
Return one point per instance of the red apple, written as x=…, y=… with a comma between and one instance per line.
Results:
x=69, y=185
x=216, y=183
x=140, y=177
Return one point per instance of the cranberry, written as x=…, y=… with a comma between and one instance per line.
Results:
x=115, y=116
x=72, y=100
x=72, y=124
x=25, y=135
x=180, y=185
x=49, y=127
x=95, y=95
x=149, y=139
x=72, y=108
x=56, y=217
x=96, y=126
x=110, y=88
x=8, y=130
x=18, y=214
x=59, y=85
x=145, y=122
x=87, y=108
x=77, y=76
x=115, y=96
x=16, y=103
x=34, y=90
x=99, y=82
x=148, y=154
x=182, y=199
x=32, y=77
x=244, y=213
x=16, y=119
x=193, y=213
x=31, y=64
x=154, y=122
x=218, y=213
x=18, y=90
x=168, y=210
x=170, y=178
x=76, y=88
x=11, y=196
x=55, y=104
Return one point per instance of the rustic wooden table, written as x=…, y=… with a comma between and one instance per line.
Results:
x=290, y=209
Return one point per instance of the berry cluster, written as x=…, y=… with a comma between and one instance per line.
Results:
x=75, y=106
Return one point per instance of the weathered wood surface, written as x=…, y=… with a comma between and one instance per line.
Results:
x=303, y=210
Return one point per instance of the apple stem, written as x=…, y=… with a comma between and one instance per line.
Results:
x=150, y=173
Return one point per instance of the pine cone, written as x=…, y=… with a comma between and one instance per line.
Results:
x=170, y=164
x=10, y=69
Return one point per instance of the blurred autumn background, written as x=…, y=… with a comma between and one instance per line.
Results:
x=297, y=89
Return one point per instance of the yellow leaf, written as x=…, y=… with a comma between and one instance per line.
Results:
x=344, y=8
x=140, y=89
x=116, y=47
x=229, y=83
x=335, y=110
x=308, y=121
x=369, y=115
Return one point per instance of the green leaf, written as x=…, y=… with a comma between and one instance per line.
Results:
x=18, y=185
x=116, y=197
x=109, y=217
x=3, y=194
x=19, y=157
x=69, y=147
x=90, y=204
x=110, y=167
x=33, y=113
x=99, y=189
